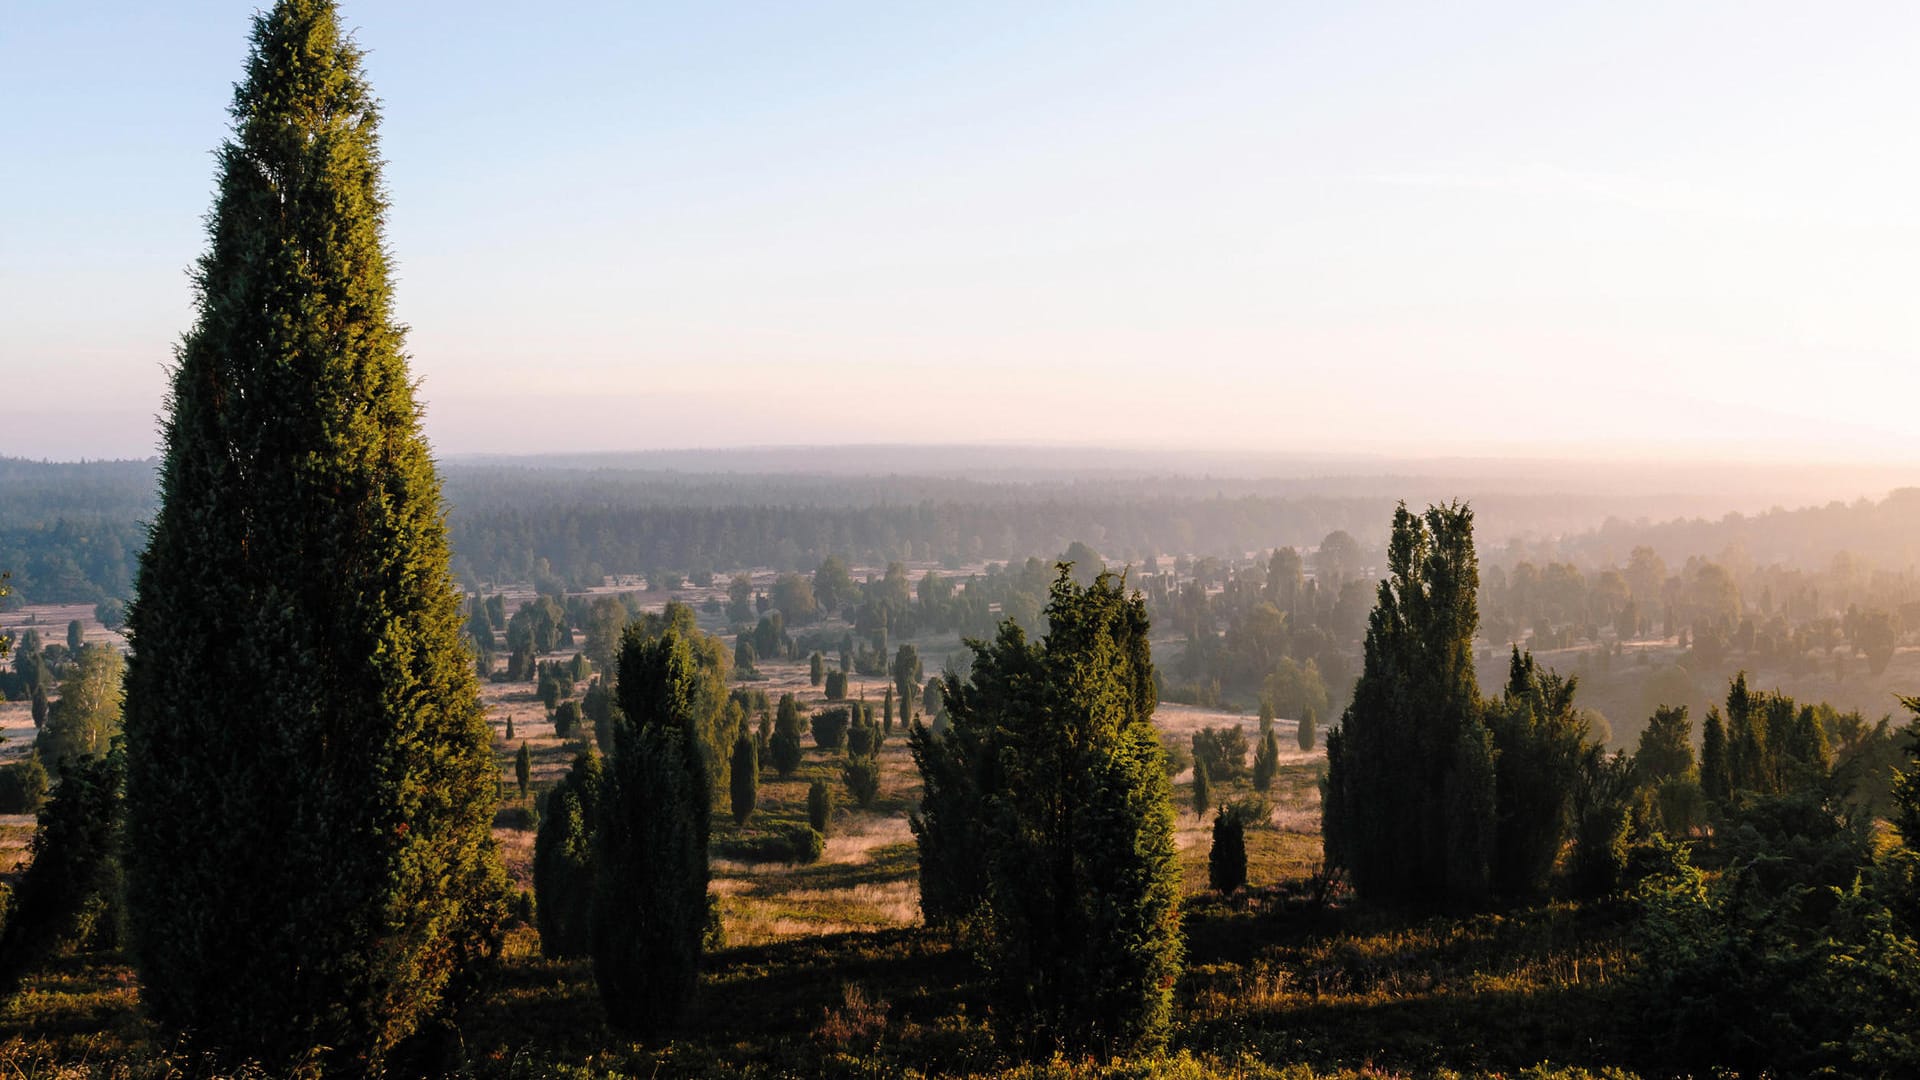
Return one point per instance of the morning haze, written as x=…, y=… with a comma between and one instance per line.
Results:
x=1622, y=231
x=1213, y=541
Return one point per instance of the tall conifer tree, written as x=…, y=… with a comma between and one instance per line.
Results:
x=650, y=896
x=1053, y=777
x=563, y=852
x=744, y=777
x=310, y=781
x=1409, y=807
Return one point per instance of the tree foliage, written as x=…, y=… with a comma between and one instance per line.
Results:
x=1227, y=858
x=1266, y=760
x=1410, y=782
x=819, y=806
x=1601, y=809
x=23, y=785
x=713, y=726
x=87, y=717
x=744, y=777
x=1663, y=763
x=1052, y=757
x=1224, y=749
x=1540, y=740
x=310, y=780
x=861, y=774
x=829, y=727
x=907, y=673
x=1798, y=956
x=787, y=731
x=71, y=891
x=650, y=898
x=563, y=860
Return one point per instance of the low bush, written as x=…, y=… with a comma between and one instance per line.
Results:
x=805, y=844
x=517, y=818
x=830, y=728
x=23, y=786
x=862, y=776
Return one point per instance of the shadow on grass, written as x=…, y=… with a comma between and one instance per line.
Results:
x=883, y=865
x=866, y=1003
x=1354, y=987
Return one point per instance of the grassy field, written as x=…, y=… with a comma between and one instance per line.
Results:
x=827, y=971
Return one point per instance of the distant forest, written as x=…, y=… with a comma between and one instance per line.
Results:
x=72, y=532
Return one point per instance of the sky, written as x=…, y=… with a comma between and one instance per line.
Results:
x=1641, y=230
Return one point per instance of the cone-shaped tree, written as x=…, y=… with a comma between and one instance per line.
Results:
x=1227, y=859
x=650, y=900
x=310, y=782
x=1266, y=761
x=744, y=778
x=785, y=743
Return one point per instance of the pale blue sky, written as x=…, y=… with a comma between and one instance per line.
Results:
x=1581, y=229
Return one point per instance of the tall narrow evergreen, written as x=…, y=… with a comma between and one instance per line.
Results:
x=1409, y=807
x=1202, y=789
x=310, y=783
x=743, y=780
x=563, y=866
x=1716, y=773
x=650, y=898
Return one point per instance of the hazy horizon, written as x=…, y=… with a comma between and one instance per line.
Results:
x=1635, y=489
x=1636, y=232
